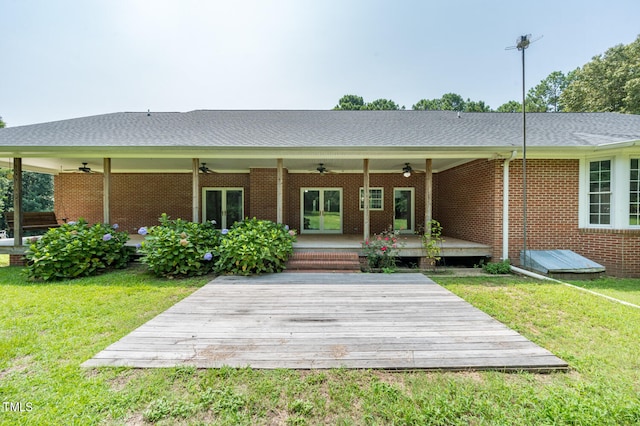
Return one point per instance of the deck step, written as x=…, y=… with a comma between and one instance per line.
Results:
x=323, y=261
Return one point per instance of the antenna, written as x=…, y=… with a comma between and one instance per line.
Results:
x=521, y=44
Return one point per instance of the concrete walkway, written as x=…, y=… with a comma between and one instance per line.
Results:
x=326, y=320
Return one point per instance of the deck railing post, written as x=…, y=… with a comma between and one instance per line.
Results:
x=106, y=190
x=195, y=191
x=280, y=191
x=428, y=195
x=17, y=202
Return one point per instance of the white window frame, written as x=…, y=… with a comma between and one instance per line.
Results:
x=631, y=158
x=361, y=198
x=620, y=187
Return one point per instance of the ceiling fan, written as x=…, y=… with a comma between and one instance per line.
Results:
x=203, y=168
x=82, y=169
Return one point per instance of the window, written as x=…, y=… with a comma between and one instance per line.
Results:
x=600, y=192
x=634, y=192
x=376, y=196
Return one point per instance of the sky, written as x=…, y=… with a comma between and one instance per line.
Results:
x=73, y=58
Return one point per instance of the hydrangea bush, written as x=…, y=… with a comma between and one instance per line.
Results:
x=179, y=247
x=77, y=249
x=254, y=246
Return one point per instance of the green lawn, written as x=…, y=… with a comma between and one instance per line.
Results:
x=627, y=290
x=48, y=330
x=331, y=220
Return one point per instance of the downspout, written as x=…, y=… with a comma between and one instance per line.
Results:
x=505, y=206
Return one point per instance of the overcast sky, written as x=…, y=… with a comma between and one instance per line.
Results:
x=65, y=59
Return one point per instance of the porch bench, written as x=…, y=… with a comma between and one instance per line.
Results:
x=33, y=221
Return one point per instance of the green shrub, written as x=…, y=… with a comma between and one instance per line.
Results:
x=255, y=246
x=496, y=268
x=179, y=247
x=76, y=249
x=382, y=250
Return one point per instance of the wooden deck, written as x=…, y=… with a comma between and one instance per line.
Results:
x=319, y=320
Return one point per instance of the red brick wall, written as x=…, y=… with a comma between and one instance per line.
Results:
x=617, y=250
x=263, y=194
x=352, y=216
x=137, y=199
x=467, y=202
x=552, y=206
x=78, y=196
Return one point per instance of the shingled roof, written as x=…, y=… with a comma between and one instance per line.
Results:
x=301, y=129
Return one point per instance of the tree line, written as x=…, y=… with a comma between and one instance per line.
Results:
x=610, y=82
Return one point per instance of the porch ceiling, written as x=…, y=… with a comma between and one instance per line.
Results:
x=232, y=165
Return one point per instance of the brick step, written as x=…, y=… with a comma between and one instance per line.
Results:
x=323, y=261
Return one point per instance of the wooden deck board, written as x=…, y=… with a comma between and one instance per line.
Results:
x=320, y=320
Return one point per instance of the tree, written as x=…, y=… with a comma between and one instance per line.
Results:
x=37, y=192
x=545, y=97
x=427, y=105
x=451, y=102
x=448, y=102
x=610, y=82
x=2, y=123
x=354, y=102
x=511, y=106
x=349, y=102
x=473, y=106
x=382, y=104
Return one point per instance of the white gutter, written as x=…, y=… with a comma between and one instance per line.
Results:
x=505, y=206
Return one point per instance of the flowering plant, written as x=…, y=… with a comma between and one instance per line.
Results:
x=255, y=246
x=382, y=249
x=179, y=248
x=77, y=249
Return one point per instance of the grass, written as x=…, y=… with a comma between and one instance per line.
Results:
x=48, y=330
x=627, y=290
x=330, y=220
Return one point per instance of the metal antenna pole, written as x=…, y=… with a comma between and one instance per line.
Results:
x=521, y=44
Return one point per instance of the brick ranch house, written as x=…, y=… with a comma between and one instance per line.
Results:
x=312, y=169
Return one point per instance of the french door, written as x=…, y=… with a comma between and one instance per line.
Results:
x=321, y=210
x=225, y=206
x=404, y=210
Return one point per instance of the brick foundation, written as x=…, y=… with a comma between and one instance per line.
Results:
x=17, y=260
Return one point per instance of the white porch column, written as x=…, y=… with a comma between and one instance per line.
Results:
x=505, y=206
x=195, y=190
x=17, y=202
x=106, y=191
x=428, y=195
x=280, y=192
x=366, y=225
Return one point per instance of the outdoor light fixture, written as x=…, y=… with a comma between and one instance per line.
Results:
x=406, y=170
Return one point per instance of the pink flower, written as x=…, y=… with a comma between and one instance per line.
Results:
x=384, y=248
